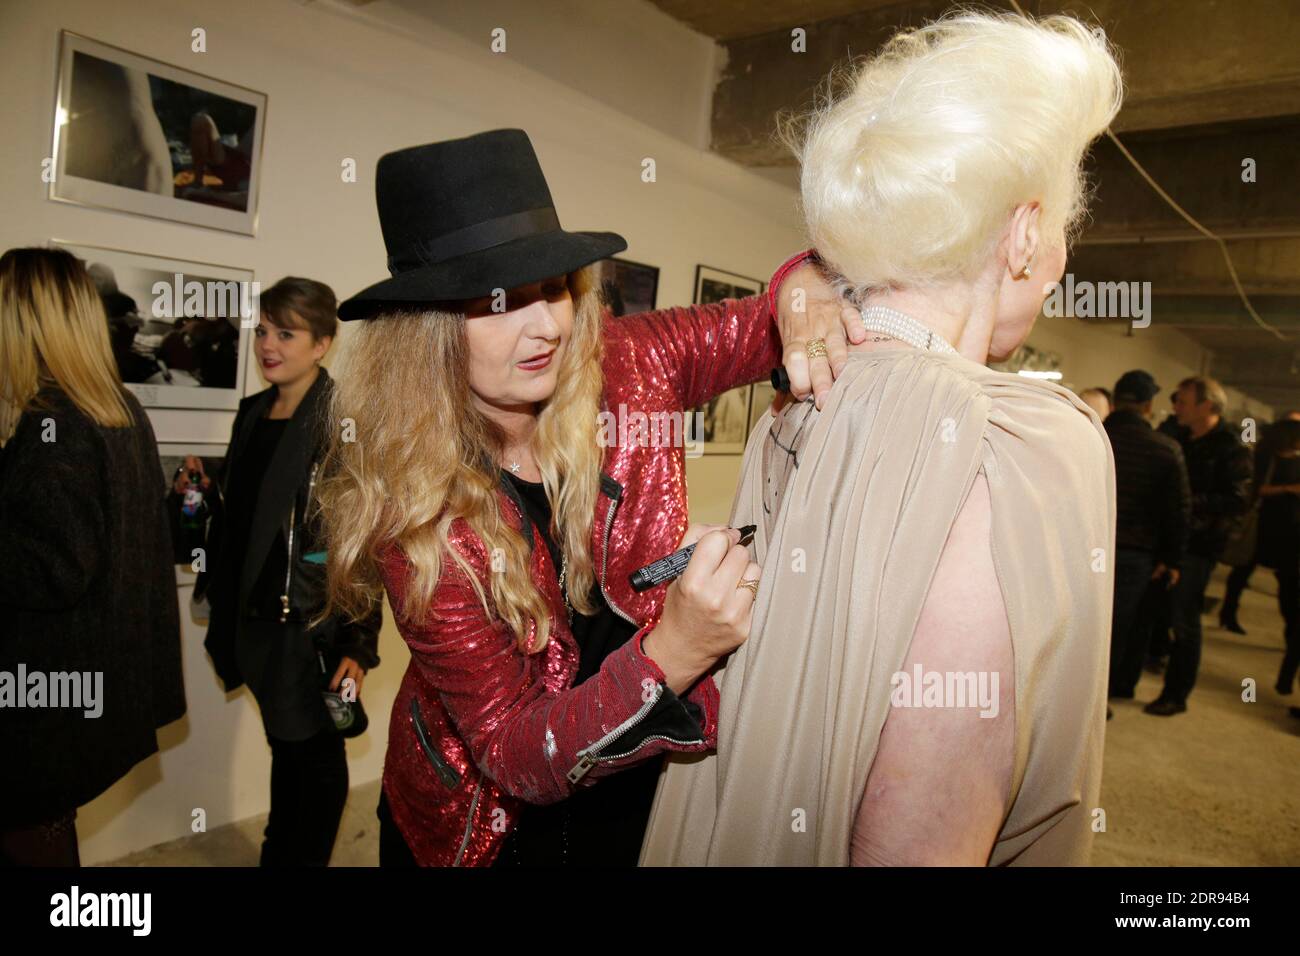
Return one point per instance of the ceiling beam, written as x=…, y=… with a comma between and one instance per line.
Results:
x=1265, y=267
x=1222, y=62
x=1234, y=180
x=1199, y=311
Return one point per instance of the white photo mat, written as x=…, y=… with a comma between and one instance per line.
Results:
x=157, y=201
x=135, y=274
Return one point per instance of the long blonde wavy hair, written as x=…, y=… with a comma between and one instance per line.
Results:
x=54, y=331
x=410, y=453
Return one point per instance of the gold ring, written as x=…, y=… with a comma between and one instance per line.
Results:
x=751, y=586
x=816, y=348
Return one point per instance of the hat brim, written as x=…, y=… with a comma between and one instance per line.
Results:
x=507, y=266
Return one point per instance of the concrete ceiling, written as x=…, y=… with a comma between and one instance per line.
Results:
x=1208, y=84
x=733, y=19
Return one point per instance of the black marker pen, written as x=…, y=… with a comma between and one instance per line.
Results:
x=672, y=566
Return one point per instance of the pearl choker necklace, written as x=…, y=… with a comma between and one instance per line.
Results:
x=898, y=325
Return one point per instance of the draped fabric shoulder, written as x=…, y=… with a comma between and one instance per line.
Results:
x=853, y=506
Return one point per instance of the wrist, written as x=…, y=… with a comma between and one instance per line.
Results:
x=679, y=674
x=774, y=286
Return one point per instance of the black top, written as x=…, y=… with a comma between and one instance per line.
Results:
x=1279, y=517
x=602, y=825
x=241, y=502
x=86, y=585
x=1152, y=497
x=598, y=635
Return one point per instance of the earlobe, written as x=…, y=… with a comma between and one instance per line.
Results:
x=1026, y=235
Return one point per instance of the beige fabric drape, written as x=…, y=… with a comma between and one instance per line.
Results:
x=853, y=506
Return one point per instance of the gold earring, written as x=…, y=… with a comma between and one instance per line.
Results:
x=1025, y=272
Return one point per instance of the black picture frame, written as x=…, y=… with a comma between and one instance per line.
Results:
x=726, y=419
x=627, y=287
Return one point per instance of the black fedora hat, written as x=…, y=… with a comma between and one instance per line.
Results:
x=465, y=217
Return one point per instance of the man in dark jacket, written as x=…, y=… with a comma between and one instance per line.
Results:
x=1152, y=511
x=1219, y=470
x=1155, y=615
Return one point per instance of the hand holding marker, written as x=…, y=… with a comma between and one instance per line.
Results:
x=672, y=566
x=708, y=609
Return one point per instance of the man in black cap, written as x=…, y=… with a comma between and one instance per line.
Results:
x=1152, y=507
x=1219, y=473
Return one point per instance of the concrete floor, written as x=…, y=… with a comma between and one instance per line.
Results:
x=240, y=844
x=1218, y=785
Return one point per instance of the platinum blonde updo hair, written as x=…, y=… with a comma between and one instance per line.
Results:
x=911, y=169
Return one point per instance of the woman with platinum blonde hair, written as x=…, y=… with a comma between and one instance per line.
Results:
x=925, y=678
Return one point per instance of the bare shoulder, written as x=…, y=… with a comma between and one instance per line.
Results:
x=938, y=789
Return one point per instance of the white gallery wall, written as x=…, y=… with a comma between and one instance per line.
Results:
x=352, y=83
x=340, y=87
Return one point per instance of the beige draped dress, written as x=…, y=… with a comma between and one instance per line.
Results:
x=853, y=505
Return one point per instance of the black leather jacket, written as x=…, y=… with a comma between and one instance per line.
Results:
x=1219, y=469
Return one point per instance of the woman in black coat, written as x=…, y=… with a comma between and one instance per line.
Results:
x=89, y=630
x=265, y=579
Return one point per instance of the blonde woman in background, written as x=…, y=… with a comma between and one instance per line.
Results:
x=925, y=679
x=86, y=580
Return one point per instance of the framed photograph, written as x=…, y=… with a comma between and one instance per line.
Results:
x=714, y=285
x=144, y=137
x=190, y=513
x=627, y=287
x=726, y=420
x=177, y=328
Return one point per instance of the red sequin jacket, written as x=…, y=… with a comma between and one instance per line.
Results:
x=478, y=726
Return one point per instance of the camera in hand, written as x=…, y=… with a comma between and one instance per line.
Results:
x=349, y=716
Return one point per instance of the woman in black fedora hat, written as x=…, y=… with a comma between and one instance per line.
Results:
x=469, y=477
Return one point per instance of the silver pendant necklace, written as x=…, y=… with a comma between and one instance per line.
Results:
x=904, y=328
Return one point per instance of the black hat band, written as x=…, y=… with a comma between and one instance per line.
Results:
x=479, y=236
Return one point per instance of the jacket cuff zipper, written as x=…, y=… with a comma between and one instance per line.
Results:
x=593, y=755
